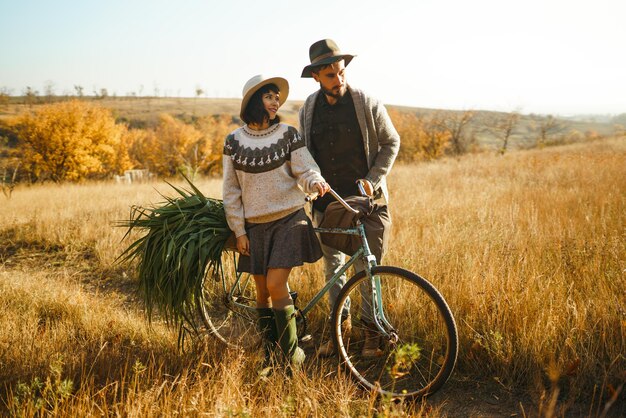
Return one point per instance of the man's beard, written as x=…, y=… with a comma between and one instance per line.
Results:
x=331, y=93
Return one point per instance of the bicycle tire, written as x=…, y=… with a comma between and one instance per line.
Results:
x=425, y=353
x=226, y=305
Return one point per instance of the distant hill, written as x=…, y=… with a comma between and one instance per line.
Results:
x=142, y=112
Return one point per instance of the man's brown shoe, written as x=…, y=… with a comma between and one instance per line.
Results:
x=371, y=345
x=327, y=348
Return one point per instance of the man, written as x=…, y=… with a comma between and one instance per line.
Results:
x=352, y=139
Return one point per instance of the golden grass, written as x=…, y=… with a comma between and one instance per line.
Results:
x=71, y=353
x=528, y=249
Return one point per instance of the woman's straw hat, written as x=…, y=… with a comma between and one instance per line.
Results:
x=258, y=81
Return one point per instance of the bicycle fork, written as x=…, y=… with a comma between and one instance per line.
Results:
x=378, y=312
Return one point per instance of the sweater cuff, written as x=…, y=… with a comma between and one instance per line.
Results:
x=237, y=225
x=239, y=232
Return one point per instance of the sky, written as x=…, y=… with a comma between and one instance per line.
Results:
x=560, y=57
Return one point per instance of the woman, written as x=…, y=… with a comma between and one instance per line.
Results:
x=266, y=167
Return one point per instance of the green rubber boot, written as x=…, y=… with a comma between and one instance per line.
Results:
x=267, y=328
x=288, y=336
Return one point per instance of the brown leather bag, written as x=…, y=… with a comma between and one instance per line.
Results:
x=373, y=216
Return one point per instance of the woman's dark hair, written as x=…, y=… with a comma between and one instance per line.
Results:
x=255, y=111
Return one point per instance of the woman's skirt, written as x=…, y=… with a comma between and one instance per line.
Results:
x=284, y=243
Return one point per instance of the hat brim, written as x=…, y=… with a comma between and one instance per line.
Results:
x=306, y=72
x=281, y=83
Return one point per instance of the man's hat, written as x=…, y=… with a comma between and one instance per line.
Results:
x=325, y=52
x=258, y=81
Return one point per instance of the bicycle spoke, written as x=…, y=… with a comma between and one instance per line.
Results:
x=227, y=305
x=423, y=356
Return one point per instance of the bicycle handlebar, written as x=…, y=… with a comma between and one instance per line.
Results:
x=359, y=183
x=339, y=199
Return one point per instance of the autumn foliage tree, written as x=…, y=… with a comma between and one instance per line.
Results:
x=423, y=137
x=435, y=137
x=169, y=148
x=70, y=141
x=214, y=130
x=75, y=140
x=138, y=147
x=175, y=146
x=176, y=141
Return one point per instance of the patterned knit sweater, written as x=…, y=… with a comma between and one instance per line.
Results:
x=265, y=173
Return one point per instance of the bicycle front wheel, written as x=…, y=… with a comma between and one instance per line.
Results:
x=419, y=353
x=226, y=304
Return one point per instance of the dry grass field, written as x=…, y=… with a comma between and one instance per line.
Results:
x=528, y=248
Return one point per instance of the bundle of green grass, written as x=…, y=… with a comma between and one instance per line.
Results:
x=184, y=240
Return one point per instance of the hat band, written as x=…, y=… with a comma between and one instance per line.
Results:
x=324, y=56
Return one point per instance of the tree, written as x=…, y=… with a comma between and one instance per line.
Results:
x=172, y=146
x=503, y=127
x=423, y=138
x=546, y=127
x=79, y=90
x=435, y=137
x=409, y=127
x=49, y=90
x=456, y=123
x=138, y=146
x=30, y=95
x=214, y=130
x=8, y=179
x=68, y=141
x=199, y=93
x=5, y=93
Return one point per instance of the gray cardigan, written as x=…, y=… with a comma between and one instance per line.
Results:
x=380, y=139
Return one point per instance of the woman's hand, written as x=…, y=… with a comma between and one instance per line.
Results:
x=322, y=188
x=243, y=245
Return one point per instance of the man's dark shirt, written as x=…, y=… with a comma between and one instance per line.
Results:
x=337, y=146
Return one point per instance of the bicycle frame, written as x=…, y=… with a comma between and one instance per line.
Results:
x=360, y=253
x=363, y=252
x=228, y=310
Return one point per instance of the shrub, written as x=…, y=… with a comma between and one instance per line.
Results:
x=70, y=141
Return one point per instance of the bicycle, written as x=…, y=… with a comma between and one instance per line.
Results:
x=411, y=317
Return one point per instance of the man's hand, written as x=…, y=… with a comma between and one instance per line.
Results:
x=322, y=188
x=243, y=245
x=367, y=186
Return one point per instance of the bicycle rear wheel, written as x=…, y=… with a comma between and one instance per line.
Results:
x=420, y=354
x=227, y=303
